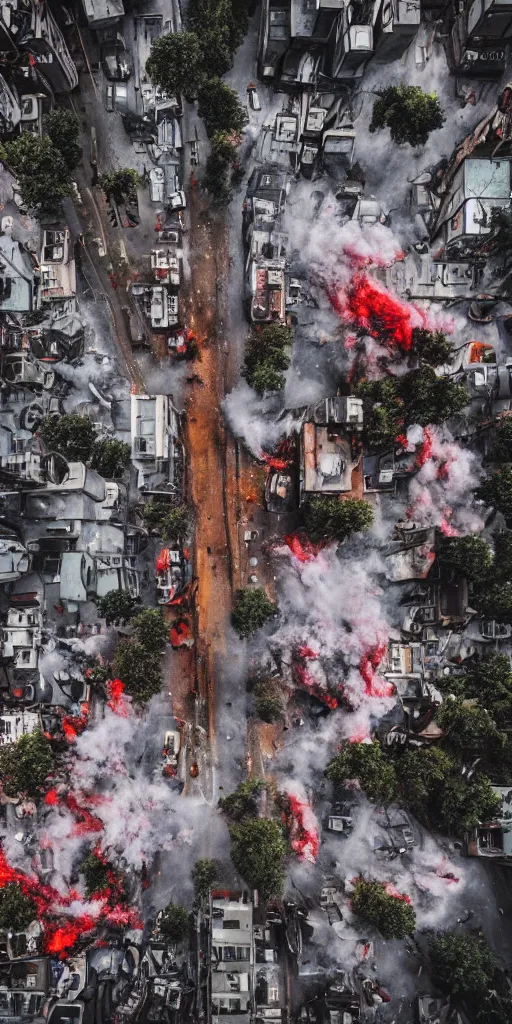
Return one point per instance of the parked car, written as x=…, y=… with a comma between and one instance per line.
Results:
x=156, y=185
x=177, y=200
x=254, y=100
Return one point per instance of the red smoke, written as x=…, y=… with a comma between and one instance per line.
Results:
x=117, y=700
x=368, y=306
x=306, y=680
x=61, y=933
x=424, y=452
x=302, y=547
x=393, y=891
x=375, y=685
x=303, y=825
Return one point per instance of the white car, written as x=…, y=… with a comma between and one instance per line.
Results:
x=177, y=200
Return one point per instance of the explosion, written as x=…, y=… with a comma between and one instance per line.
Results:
x=370, y=308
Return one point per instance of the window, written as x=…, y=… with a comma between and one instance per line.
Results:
x=235, y=925
x=242, y=952
x=228, y=953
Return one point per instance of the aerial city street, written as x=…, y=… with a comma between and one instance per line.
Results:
x=256, y=511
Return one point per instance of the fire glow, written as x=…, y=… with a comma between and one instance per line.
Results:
x=367, y=306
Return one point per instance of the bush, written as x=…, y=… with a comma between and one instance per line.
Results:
x=268, y=704
x=71, y=436
x=462, y=965
x=116, y=607
x=393, y=916
x=139, y=670
x=173, y=923
x=26, y=765
x=366, y=763
x=409, y=113
x=204, y=875
x=151, y=630
x=333, y=518
x=176, y=523
x=110, y=457
x=219, y=165
x=220, y=108
x=17, y=911
x=252, y=610
x=258, y=851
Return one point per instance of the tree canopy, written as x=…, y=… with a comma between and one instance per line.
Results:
x=121, y=185
x=63, y=128
x=204, y=875
x=392, y=915
x=96, y=874
x=70, y=435
x=430, y=783
x=26, y=765
x=117, y=606
x=176, y=523
x=333, y=518
x=468, y=556
x=409, y=113
x=366, y=763
x=394, y=403
x=151, y=630
x=16, y=910
x=468, y=728
x=220, y=108
x=267, y=700
x=258, y=850
x=252, y=610
x=500, y=448
x=496, y=491
x=40, y=169
x=219, y=168
x=267, y=356
x=175, y=63
x=244, y=802
x=462, y=965
x=432, y=347
x=173, y=922
x=110, y=457
x=139, y=669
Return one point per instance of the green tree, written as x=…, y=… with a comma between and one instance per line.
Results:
x=462, y=965
x=204, y=875
x=110, y=457
x=468, y=728
x=219, y=165
x=26, y=765
x=391, y=915
x=176, y=523
x=252, y=610
x=431, y=399
x=496, y=491
x=210, y=19
x=333, y=518
x=17, y=910
x=173, y=922
x=432, y=347
x=366, y=763
x=384, y=411
x=494, y=601
x=121, y=185
x=41, y=171
x=139, y=670
x=409, y=113
x=258, y=851
x=244, y=802
x=154, y=512
x=117, y=606
x=468, y=556
x=220, y=108
x=499, y=242
x=265, y=378
x=460, y=805
x=502, y=567
x=63, y=129
x=500, y=449
x=96, y=874
x=268, y=703
x=490, y=682
x=420, y=773
x=151, y=630
x=176, y=63
x=71, y=435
